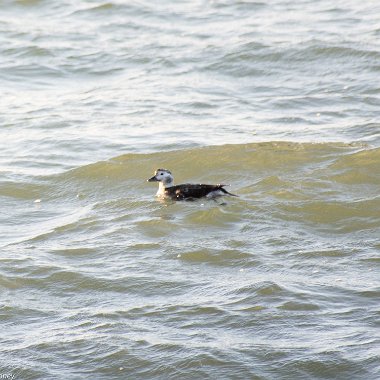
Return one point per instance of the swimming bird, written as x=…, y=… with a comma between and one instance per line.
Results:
x=167, y=189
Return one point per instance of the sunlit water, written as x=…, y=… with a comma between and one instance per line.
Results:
x=100, y=280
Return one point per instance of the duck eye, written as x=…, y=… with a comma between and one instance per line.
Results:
x=162, y=174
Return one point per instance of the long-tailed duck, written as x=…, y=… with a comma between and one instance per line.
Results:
x=167, y=189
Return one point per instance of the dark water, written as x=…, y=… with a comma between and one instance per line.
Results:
x=99, y=280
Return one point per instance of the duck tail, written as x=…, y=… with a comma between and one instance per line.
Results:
x=221, y=187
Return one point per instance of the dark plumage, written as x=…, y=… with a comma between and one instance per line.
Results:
x=167, y=189
x=188, y=191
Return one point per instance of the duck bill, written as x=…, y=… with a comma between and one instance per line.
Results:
x=153, y=179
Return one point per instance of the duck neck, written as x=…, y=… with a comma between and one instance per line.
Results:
x=169, y=182
x=164, y=185
x=161, y=188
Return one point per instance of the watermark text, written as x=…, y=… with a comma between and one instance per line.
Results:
x=7, y=376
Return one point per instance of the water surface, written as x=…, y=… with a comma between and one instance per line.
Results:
x=278, y=99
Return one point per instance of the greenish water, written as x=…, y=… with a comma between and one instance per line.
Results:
x=108, y=282
x=100, y=280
